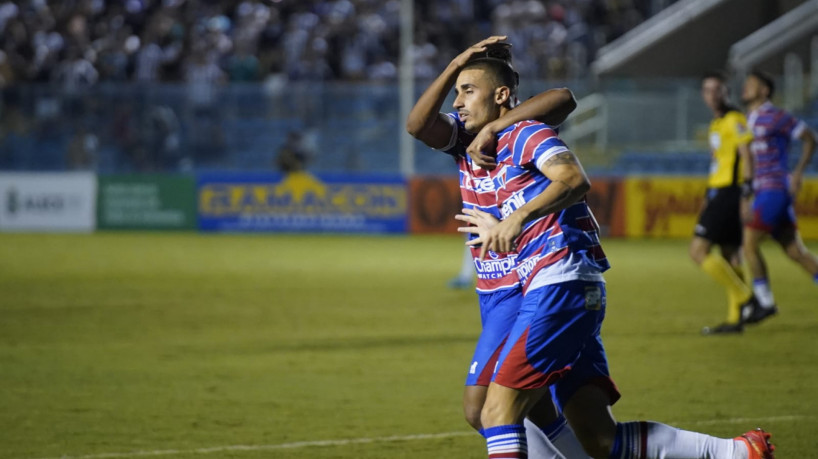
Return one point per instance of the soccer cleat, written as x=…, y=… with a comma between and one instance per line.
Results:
x=752, y=312
x=723, y=329
x=748, y=307
x=758, y=444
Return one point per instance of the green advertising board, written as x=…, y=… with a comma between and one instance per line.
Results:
x=146, y=201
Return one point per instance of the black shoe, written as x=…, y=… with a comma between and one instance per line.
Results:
x=723, y=329
x=755, y=313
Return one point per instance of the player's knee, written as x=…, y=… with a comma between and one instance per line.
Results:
x=595, y=444
x=749, y=250
x=795, y=251
x=471, y=412
x=698, y=251
x=494, y=414
x=695, y=256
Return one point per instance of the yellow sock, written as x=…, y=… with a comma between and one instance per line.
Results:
x=737, y=291
x=740, y=273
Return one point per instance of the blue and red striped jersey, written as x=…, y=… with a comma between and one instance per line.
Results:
x=773, y=130
x=495, y=272
x=557, y=247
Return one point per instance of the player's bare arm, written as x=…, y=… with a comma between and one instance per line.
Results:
x=425, y=122
x=551, y=107
x=569, y=184
x=807, y=138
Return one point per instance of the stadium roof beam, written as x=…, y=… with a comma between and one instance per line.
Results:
x=767, y=43
x=686, y=38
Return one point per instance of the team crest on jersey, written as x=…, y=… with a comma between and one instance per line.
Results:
x=594, y=301
x=501, y=178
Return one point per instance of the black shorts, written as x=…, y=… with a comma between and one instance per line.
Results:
x=720, y=221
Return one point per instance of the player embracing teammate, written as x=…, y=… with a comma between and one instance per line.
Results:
x=554, y=349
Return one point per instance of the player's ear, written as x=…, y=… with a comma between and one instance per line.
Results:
x=502, y=95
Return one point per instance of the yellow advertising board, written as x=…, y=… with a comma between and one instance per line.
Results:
x=806, y=209
x=662, y=206
x=668, y=207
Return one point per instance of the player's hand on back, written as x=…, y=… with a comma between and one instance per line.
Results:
x=502, y=237
x=483, y=149
x=478, y=47
x=492, y=234
x=480, y=223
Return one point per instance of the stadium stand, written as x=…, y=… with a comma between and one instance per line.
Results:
x=177, y=85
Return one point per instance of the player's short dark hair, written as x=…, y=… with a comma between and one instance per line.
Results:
x=496, y=60
x=719, y=75
x=766, y=80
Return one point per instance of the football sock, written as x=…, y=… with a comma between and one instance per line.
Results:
x=652, y=440
x=555, y=440
x=737, y=291
x=739, y=273
x=761, y=287
x=506, y=442
x=539, y=446
x=466, y=266
x=815, y=278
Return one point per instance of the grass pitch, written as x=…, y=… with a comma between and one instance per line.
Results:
x=120, y=345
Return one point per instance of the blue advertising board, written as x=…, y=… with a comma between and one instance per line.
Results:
x=301, y=202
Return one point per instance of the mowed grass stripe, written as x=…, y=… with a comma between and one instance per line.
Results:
x=154, y=342
x=354, y=441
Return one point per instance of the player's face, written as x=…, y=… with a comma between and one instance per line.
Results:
x=475, y=101
x=754, y=90
x=714, y=93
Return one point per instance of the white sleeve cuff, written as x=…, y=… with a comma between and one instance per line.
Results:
x=549, y=153
x=453, y=138
x=798, y=130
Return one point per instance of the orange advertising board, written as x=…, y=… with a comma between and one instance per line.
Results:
x=435, y=200
x=433, y=203
x=663, y=207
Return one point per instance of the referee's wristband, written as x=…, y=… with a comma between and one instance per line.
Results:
x=747, y=189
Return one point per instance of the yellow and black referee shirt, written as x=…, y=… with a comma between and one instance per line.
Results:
x=726, y=134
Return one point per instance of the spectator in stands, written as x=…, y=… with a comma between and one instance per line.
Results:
x=292, y=156
x=146, y=40
x=82, y=150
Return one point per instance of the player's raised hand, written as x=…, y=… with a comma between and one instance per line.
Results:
x=483, y=149
x=478, y=47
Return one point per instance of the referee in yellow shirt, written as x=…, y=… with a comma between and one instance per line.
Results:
x=728, y=201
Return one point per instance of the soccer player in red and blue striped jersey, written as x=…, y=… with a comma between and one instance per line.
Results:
x=555, y=342
x=498, y=286
x=774, y=187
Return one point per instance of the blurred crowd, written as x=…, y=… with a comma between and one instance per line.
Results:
x=77, y=43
